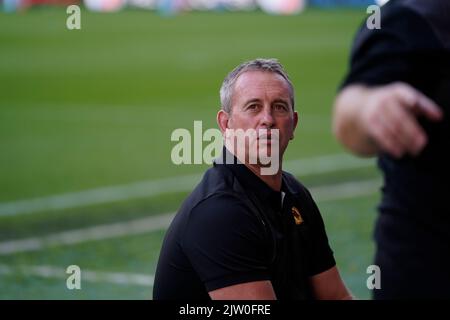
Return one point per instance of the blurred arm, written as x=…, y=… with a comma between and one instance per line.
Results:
x=382, y=119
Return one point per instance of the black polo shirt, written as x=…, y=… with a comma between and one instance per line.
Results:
x=412, y=231
x=233, y=229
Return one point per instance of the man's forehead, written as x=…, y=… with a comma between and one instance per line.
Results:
x=265, y=81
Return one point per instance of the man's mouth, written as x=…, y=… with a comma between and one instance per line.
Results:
x=267, y=136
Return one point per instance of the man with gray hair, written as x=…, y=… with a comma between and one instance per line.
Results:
x=243, y=233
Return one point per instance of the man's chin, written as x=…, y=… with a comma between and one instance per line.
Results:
x=266, y=149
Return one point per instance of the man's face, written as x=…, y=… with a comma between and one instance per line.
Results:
x=261, y=100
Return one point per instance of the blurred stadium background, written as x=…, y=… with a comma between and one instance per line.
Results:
x=86, y=117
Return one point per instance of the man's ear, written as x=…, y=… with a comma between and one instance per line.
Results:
x=222, y=120
x=295, y=124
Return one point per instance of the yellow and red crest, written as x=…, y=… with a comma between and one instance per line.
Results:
x=297, y=216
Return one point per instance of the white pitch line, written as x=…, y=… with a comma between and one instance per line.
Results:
x=86, y=275
x=100, y=195
x=160, y=222
x=346, y=190
x=101, y=232
x=302, y=167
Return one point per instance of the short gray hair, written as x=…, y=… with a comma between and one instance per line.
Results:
x=268, y=65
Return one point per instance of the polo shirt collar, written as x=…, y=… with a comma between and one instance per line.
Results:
x=252, y=182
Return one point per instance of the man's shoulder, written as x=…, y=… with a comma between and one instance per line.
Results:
x=403, y=27
x=217, y=187
x=437, y=14
x=298, y=190
x=216, y=180
x=293, y=184
x=218, y=203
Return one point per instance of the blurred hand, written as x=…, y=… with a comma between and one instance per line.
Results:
x=389, y=117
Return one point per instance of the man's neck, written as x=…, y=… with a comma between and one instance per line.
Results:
x=273, y=181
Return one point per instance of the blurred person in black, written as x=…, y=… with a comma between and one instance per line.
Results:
x=394, y=103
x=242, y=234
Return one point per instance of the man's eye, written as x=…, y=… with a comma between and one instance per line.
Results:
x=252, y=107
x=280, y=107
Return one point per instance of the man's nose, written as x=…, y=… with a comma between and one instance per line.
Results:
x=267, y=119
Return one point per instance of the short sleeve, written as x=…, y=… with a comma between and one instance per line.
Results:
x=321, y=254
x=391, y=53
x=226, y=242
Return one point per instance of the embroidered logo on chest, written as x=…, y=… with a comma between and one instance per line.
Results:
x=297, y=216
